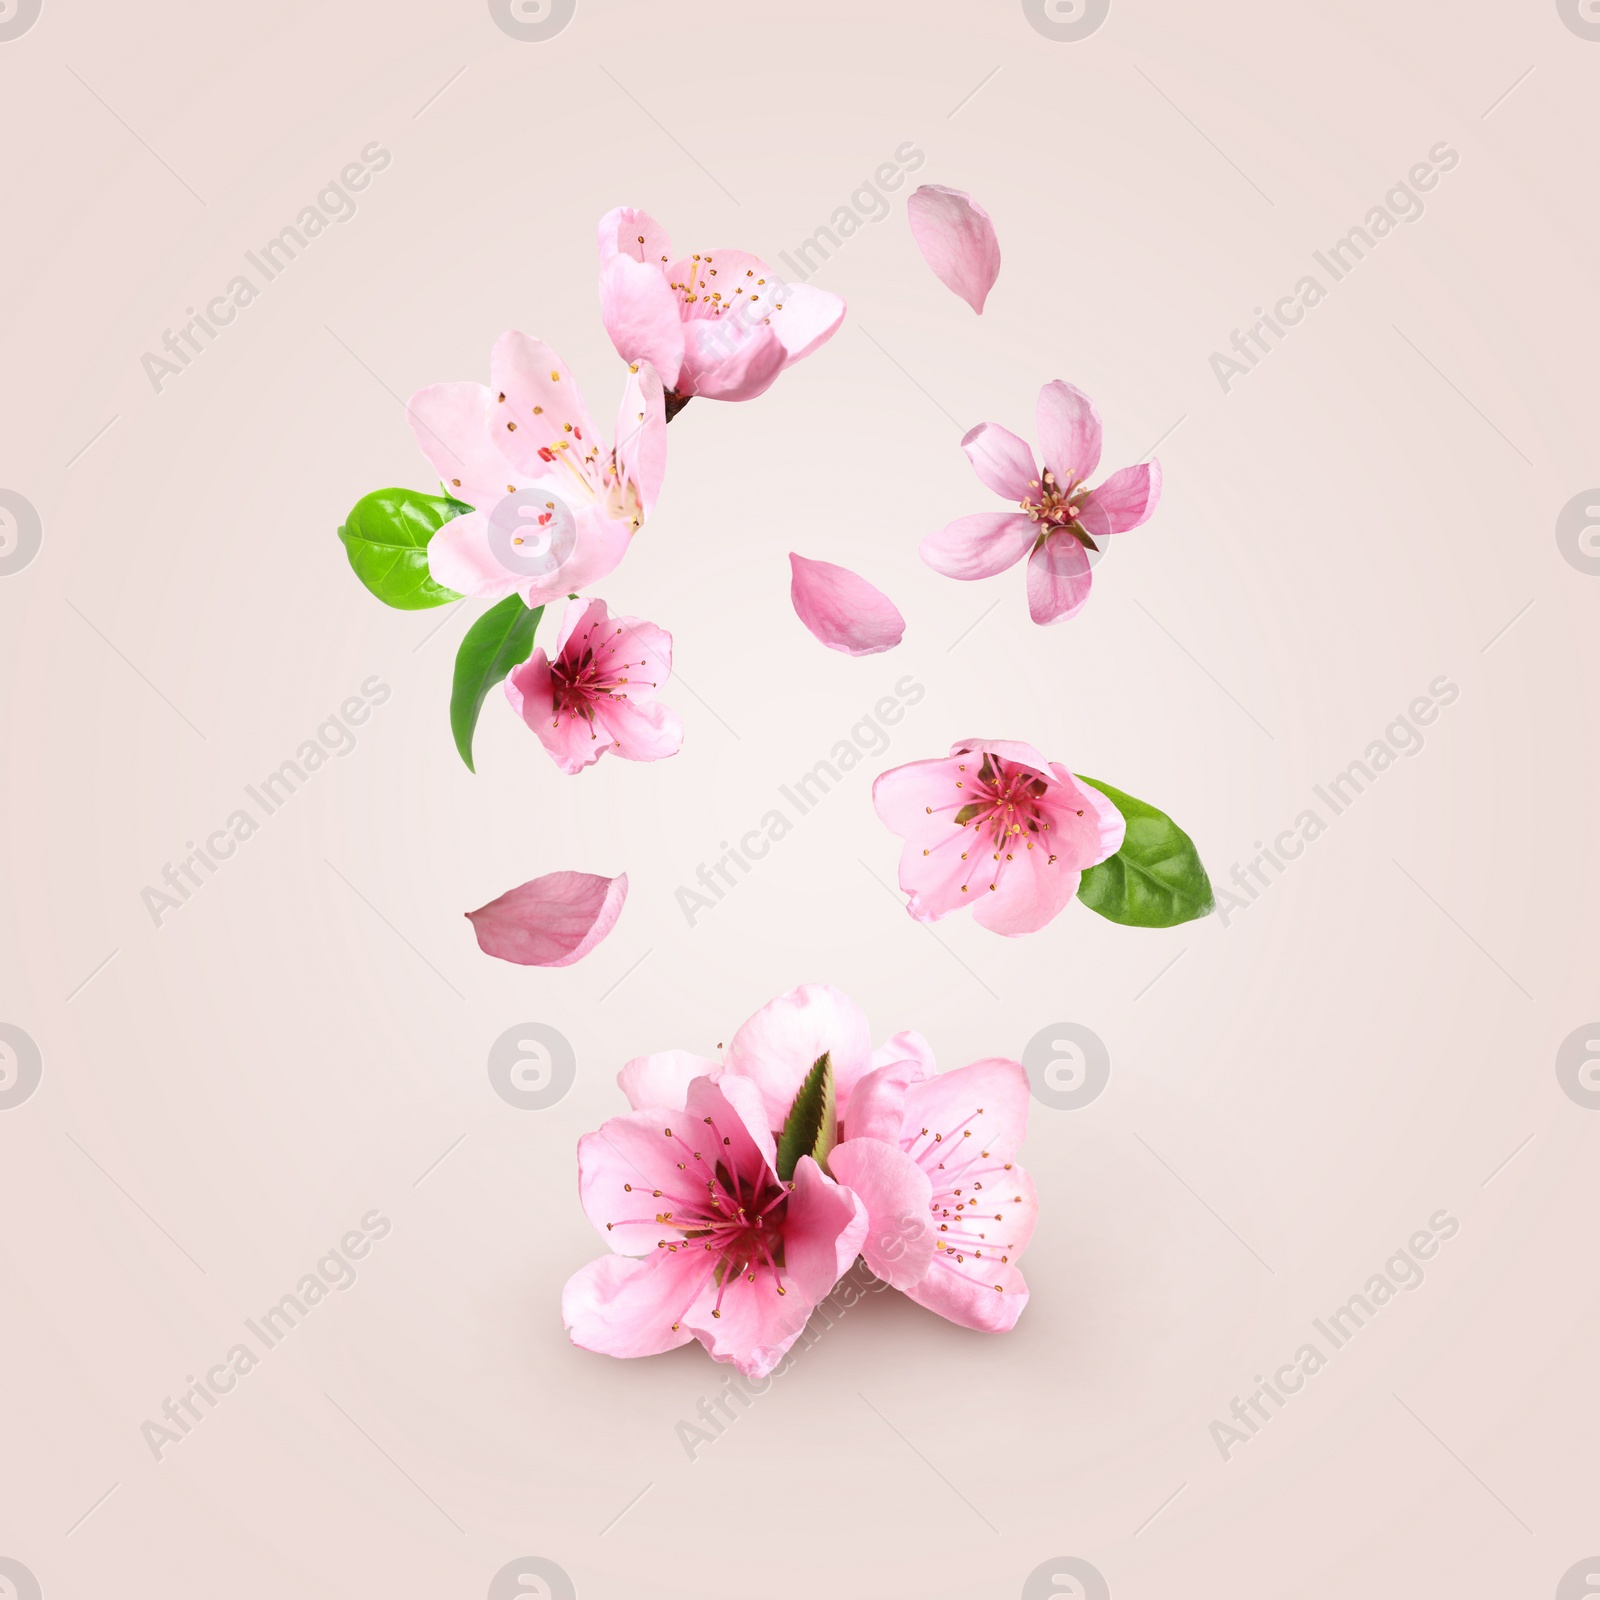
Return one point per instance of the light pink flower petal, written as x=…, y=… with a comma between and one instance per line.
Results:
x=1058, y=579
x=719, y=364
x=1006, y=749
x=979, y=546
x=617, y=1306
x=807, y=318
x=908, y=1045
x=878, y=1107
x=640, y=312
x=915, y=800
x=1002, y=461
x=460, y=558
x=897, y=1194
x=660, y=1082
x=988, y=1099
x=641, y=732
x=956, y=239
x=1031, y=892
x=625, y=230
x=842, y=609
x=732, y=1108
x=1096, y=834
x=983, y=1293
x=779, y=1045
x=598, y=548
x=1068, y=427
x=535, y=403
x=642, y=433
x=1125, y=500
x=450, y=424
x=629, y=1150
x=550, y=921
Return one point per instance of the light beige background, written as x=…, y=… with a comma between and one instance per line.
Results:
x=1292, y=1095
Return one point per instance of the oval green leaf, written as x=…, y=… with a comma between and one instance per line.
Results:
x=499, y=640
x=1155, y=880
x=386, y=538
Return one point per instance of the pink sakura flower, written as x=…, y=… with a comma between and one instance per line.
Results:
x=709, y=1243
x=957, y=240
x=599, y=693
x=550, y=921
x=555, y=506
x=1058, y=520
x=720, y=323
x=932, y=1157
x=996, y=826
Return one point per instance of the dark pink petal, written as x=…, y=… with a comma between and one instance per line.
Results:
x=979, y=546
x=843, y=610
x=956, y=239
x=1002, y=461
x=1058, y=579
x=550, y=921
x=1125, y=500
x=1068, y=426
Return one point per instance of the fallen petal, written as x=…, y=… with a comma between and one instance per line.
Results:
x=843, y=610
x=957, y=240
x=550, y=921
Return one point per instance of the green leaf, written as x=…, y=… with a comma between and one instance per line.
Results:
x=811, y=1128
x=1155, y=880
x=499, y=640
x=386, y=538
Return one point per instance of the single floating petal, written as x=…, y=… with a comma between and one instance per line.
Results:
x=550, y=921
x=843, y=610
x=957, y=240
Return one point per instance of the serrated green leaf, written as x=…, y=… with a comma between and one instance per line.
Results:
x=1156, y=879
x=386, y=538
x=499, y=640
x=811, y=1128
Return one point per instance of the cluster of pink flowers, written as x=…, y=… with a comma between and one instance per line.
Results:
x=555, y=507
x=737, y=1192
x=707, y=1241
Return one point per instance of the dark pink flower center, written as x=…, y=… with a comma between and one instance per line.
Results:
x=736, y=1220
x=1002, y=807
x=585, y=674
